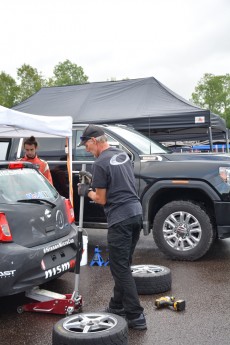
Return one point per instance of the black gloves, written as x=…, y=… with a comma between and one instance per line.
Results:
x=87, y=175
x=84, y=189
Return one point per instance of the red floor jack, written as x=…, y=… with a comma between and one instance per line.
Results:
x=55, y=303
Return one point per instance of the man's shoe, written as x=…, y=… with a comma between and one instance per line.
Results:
x=120, y=312
x=138, y=323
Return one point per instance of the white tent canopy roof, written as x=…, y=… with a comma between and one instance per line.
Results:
x=17, y=124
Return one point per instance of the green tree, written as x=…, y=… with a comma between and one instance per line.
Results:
x=213, y=93
x=30, y=81
x=8, y=90
x=67, y=73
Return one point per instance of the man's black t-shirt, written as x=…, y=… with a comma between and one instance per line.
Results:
x=113, y=171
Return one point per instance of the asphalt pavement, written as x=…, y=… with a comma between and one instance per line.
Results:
x=203, y=284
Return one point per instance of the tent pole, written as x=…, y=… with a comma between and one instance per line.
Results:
x=150, y=148
x=210, y=138
x=227, y=140
x=70, y=172
x=68, y=150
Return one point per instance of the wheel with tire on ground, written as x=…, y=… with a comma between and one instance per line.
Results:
x=151, y=279
x=96, y=328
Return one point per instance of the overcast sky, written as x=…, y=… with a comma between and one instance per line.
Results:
x=175, y=41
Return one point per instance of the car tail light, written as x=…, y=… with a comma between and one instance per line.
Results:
x=5, y=234
x=69, y=211
x=16, y=165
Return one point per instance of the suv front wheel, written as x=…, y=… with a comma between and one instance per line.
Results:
x=183, y=230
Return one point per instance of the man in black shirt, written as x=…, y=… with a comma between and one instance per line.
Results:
x=113, y=186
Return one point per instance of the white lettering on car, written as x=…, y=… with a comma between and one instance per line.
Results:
x=58, y=245
x=4, y=274
x=57, y=270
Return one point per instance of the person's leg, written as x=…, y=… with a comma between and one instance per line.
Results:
x=137, y=226
x=122, y=238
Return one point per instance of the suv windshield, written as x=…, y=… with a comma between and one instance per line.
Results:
x=24, y=184
x=143, y=144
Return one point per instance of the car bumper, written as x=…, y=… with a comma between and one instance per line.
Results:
x=222, y=211
x=23, y=268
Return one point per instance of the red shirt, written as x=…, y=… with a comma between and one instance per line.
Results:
x=43, y=166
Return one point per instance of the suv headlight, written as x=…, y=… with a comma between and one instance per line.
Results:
x=224, y=173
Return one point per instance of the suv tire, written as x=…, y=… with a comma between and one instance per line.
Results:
x=183, y=230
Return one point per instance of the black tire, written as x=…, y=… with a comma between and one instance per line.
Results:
x=151, y=279
x=183, y=230
x=20, y=310
x=99, y=329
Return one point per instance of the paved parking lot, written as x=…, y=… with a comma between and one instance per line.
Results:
x=203, y=284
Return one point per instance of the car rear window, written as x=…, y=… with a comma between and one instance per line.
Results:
x=19, y=184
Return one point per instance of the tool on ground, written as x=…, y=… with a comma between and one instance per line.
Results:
x=51, y=302
x=170, y=301
x=97, y=258
x=106, y=262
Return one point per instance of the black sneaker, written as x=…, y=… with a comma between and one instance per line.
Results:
x=120, y=312
x=138, y=323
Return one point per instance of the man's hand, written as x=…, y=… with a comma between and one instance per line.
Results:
x=87, y=175
x=83, y=189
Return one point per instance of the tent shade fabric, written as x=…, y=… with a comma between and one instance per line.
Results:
x=144, y=103
x=17, y=124
x=189, y=133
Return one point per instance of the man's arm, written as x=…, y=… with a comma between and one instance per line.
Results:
x=99, y=196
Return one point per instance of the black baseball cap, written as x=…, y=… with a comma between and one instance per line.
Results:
x=91, y=131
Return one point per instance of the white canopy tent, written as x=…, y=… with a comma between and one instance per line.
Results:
x=14, y=123
x=17, y=124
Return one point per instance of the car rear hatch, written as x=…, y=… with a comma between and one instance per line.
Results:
x=34, y=210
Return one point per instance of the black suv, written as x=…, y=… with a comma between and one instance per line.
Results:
x=185, y=197
x=38, y=236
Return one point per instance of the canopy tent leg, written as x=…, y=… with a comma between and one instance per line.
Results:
x=227, y=141
x=210, y=138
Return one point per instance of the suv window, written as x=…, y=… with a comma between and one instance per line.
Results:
x=4, y=145
x=81, y=154
x=51, y=147
x=18, y=184
x=143, y=144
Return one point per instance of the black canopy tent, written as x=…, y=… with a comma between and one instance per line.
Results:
x=145, y=103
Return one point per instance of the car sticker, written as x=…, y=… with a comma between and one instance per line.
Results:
x=17, y=172
x=58, y=245
x=59, y=269
x=37, y=195
x=59, y=219
x=7, y=274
